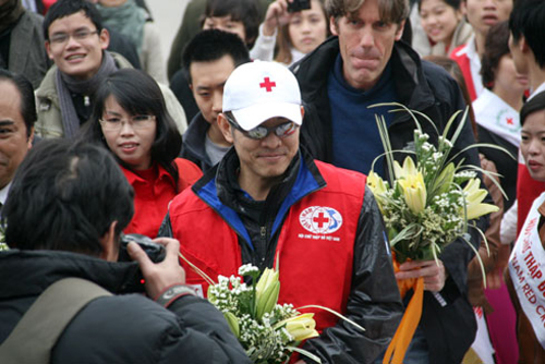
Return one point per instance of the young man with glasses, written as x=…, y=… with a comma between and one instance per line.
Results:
x=269, y=203
x=77, y=43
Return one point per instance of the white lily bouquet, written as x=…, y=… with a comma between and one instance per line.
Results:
x=269, y=332
x=426, y=205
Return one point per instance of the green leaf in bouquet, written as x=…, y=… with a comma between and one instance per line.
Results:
x=308, y=354
x=409, y=233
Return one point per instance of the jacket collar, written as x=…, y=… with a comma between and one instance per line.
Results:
x=303, y=177
x=194, y=137
x=29, y=272
x=133, y=178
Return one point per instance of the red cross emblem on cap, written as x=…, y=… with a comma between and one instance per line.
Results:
x=267, y=84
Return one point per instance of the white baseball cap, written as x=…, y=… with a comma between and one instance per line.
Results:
x=257, y=91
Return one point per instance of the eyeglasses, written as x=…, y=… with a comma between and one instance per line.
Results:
x=62, y=38
x=283, y=130
x=136, y=122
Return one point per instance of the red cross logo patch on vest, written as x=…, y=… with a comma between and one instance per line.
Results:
x=321, y=220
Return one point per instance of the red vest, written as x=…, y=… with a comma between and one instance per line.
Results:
x=315, y=246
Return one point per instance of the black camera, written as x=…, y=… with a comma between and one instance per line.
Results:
x=156, y=253
x=298, y=5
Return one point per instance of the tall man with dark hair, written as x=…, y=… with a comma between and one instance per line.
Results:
x=77, y=42
x=17, y=118
x=66, y=211
x=268, y=203
x=365, y=64
x=208, y=61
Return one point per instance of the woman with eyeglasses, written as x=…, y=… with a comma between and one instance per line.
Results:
x=131, y=120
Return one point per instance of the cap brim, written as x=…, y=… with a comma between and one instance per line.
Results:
x=250, y=117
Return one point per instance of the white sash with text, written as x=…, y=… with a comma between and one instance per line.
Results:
x=527, y=273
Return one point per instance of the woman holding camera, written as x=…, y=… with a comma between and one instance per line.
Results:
x=131, y=120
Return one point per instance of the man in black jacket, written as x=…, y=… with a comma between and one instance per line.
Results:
x=364, y=65
x=65, y=213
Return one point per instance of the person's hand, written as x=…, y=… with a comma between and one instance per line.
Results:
x=161, y=275
x=434, y=273
x=277, y=15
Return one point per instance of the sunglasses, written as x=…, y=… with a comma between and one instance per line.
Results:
x=283, y=130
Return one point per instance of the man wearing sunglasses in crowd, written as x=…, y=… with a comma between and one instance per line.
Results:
x=268, y=203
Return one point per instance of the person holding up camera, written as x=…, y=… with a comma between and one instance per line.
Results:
x=65, y=213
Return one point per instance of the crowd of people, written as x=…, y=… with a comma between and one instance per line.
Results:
x=251, y=145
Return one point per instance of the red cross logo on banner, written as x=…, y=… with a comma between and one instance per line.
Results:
x=267, y=84
x=509, y=121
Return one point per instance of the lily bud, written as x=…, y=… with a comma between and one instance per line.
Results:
x=267, y=291
x=408, y=169
x=233, y=323
x=301, y=327
x=445, y=179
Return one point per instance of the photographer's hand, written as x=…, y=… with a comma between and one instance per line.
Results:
x=159, y=276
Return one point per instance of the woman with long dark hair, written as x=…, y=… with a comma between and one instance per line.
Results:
x=131, y=120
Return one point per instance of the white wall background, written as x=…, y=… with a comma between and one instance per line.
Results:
x=168, y=17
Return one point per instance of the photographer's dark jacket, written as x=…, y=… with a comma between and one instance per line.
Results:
x=425, y=87
x=127, y=328
x=325, y=227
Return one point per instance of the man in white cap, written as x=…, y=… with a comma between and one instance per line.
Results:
x=269, y=204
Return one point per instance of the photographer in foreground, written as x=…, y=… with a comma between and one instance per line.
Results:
x=66, y=210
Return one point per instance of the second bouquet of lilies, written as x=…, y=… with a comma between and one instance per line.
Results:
x=427, y=204
x=268, y=331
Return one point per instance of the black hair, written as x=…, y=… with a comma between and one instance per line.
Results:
x=211, y=45
x=138, y=94
x=26, y=93
x=245, y=11
x=65, y=196
x=536, y=103
x=527, y=20
x=455, y=4
x=495, y=47
x=63, y=8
